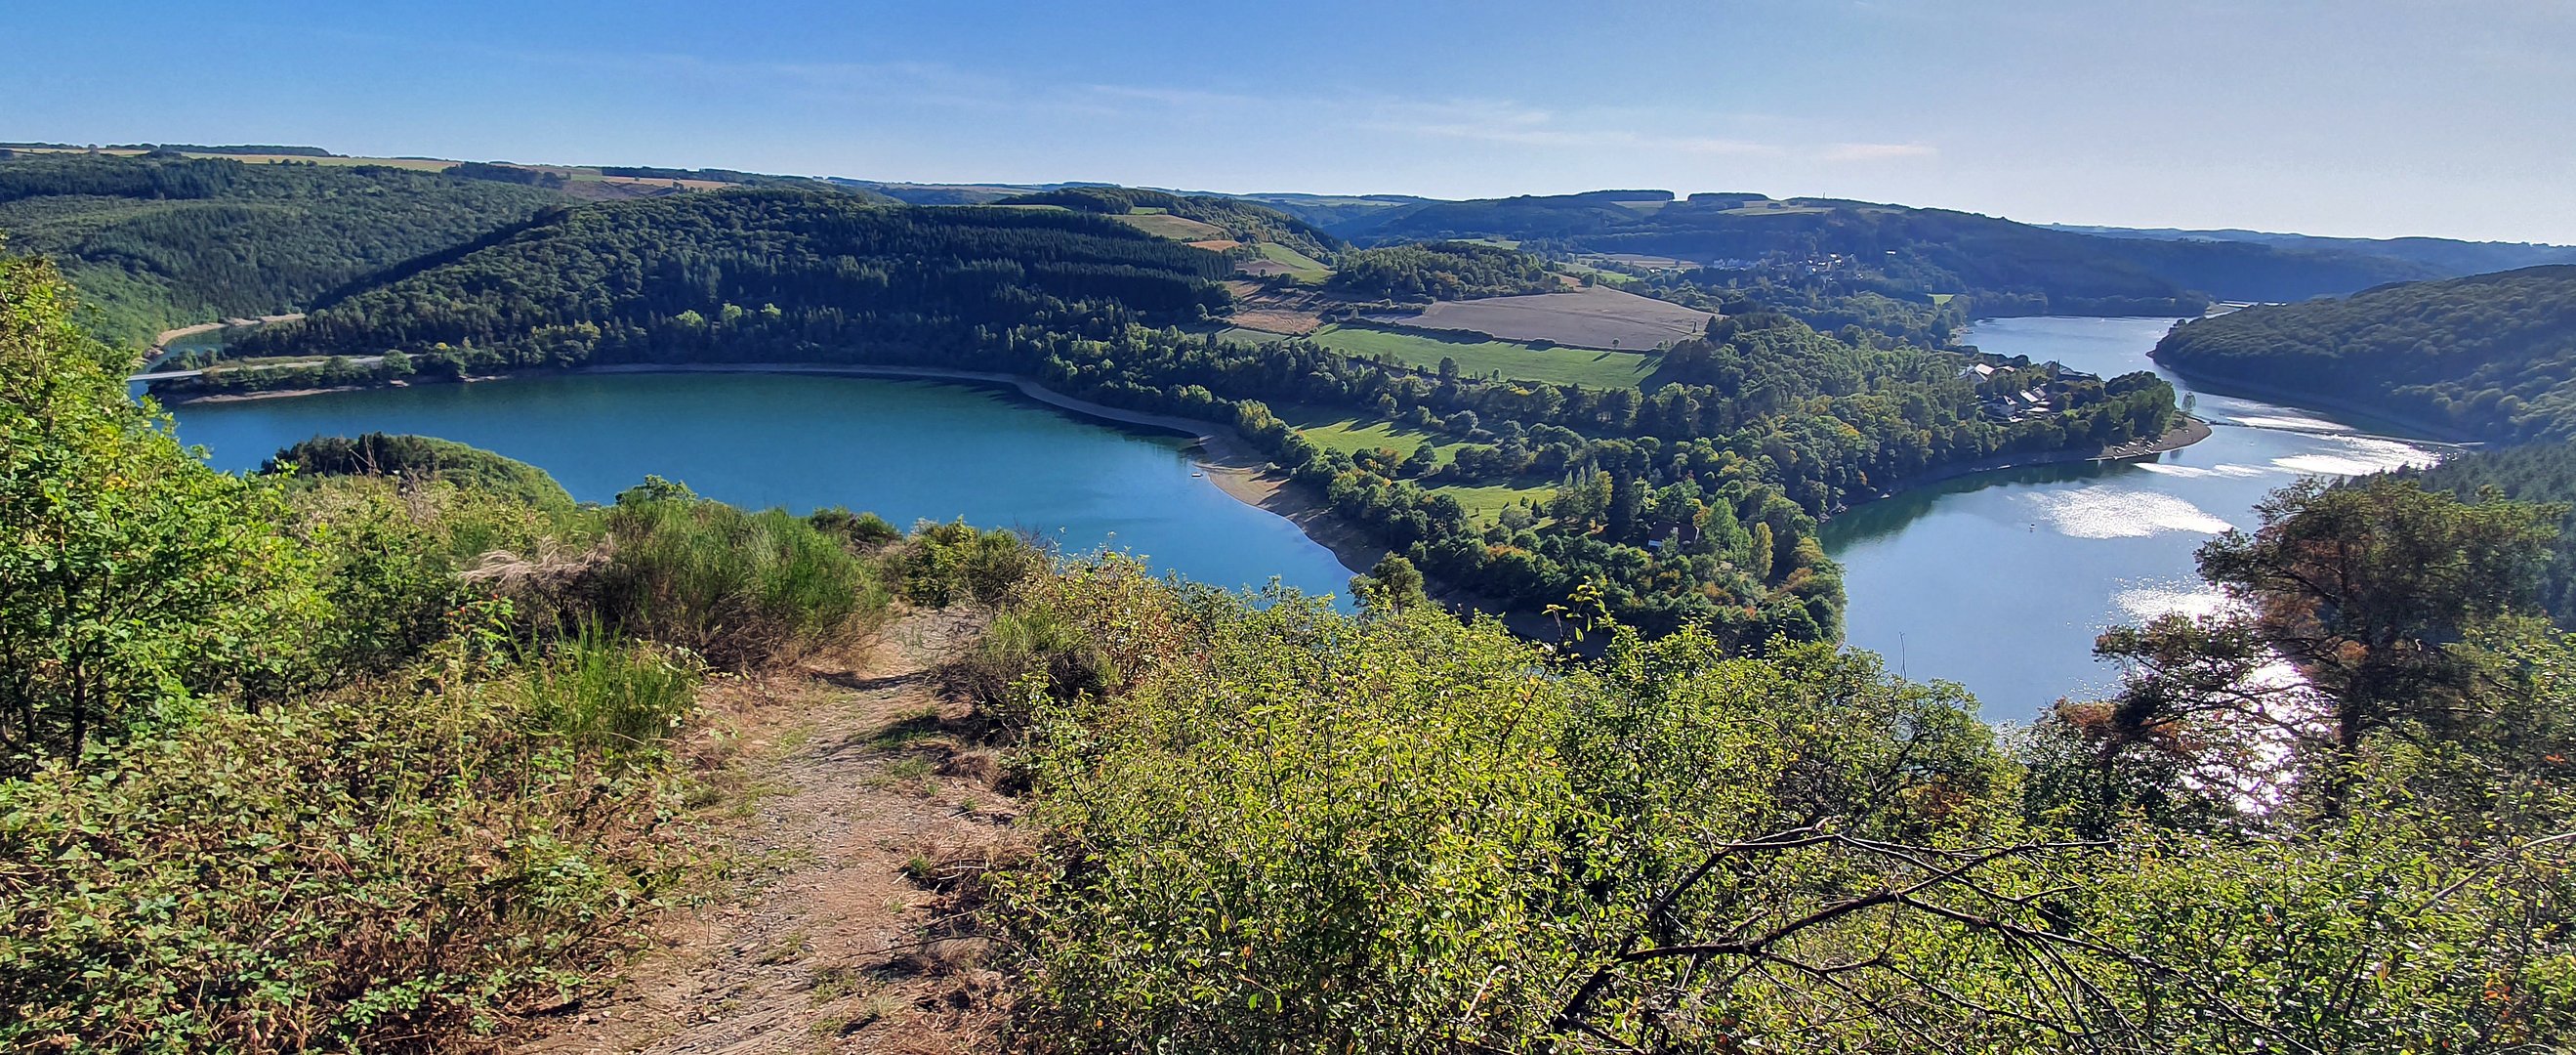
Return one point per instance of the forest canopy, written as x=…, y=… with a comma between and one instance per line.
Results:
x=160, y=242
x=2488, y=356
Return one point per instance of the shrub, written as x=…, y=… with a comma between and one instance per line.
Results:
x=381, y=870
x=739, y=588
x=944, y=564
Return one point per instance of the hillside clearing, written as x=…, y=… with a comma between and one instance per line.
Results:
x=1480, y=358
x=1176, y=228
x=1591, y=318
x=1351, y=434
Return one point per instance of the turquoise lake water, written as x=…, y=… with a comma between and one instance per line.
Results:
x=2001, y=581
x=1998, y=581
x=906, y=450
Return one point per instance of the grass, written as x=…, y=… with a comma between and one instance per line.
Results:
x=1598, y=275
x=1239, y=335
x=1511, y=359
x=1176, y=228
x=1351, y=434
x=1486, y=503
x=1942, y=299
x=1302, y=267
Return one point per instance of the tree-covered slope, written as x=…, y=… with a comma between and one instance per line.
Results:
x=2013, y=266
x=1241, y=220
x=2492, y=356
x=1440, y=271
x=754, y=274
x=424, y=457
x=156, y=242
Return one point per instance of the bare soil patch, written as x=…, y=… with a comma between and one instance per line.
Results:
x=1289, y=311
x=844, y=798
x=1599, y=317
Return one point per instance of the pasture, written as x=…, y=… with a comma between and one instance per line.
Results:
x=1512, y=360
x=1599, y=317
x=1177, y=228
x=1278, y=259
x=1335, y=430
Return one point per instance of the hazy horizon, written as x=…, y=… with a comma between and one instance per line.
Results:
x=2381, y=118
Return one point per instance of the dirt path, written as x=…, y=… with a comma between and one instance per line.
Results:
x=845, y=799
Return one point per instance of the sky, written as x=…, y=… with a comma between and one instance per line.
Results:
x=2372, y=118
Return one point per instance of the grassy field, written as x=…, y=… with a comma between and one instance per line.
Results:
x=1176, y=228
x=1240, y=335
x=1335, y=431
x=1486, y=503
x=1515, y=361
x=1942, y=299
x=1342, y=432
x=1579, y=269
x=1300, y=266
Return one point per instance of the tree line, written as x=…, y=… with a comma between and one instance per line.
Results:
x=2490, y=356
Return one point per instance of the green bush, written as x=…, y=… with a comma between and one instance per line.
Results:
x=384, y=869
x=944, y=564
x=739, y=588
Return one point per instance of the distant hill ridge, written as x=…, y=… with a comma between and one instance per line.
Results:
x=2491, y=356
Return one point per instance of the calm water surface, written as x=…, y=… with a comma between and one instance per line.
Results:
x=906, y=450
x=2001, y=581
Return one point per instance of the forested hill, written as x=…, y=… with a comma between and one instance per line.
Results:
x=2492, y=356
x=2010, y=267
x=763, y=274
x=157, y=242
x=1242, y=221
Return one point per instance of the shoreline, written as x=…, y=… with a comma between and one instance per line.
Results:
x=1229, y=462
x=2192, y=430
x=2424, y=431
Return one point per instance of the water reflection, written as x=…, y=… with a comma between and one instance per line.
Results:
x=2000, y=581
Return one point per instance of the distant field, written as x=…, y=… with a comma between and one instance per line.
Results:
x=1278, y=259
x=1515, y=361
x=1507, y=243
x=1599, y=317
x=1942, y=299
x=1335, y=431
x=1176, y=228
x=1341, y=432
x=1486, y=503
x=1216, y=245
x=1246, y=335
x=1776, y=209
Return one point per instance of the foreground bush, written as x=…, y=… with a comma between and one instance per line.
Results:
x=383, y=869
x=738, y=588
x=1267, y=826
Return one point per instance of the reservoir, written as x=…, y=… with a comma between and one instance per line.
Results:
x=906, y=450
x=2000, y=581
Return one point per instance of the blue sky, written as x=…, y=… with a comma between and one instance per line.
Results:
x=2363, y=117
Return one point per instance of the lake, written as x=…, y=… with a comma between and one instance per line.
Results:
x=906, y=450
x=1998, y=581
x=2001, y=581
